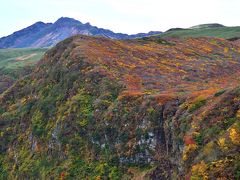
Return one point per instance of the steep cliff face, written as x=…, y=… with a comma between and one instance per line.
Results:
x=98, y=108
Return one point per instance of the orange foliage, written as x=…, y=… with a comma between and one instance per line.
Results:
x=189, y=140
x=163, y=98
x=133, y=83
x=38, y=147
x=205, y=93
x=160, y=67
x=130, y=94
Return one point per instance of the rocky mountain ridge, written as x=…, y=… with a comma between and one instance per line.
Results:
x=48, y=34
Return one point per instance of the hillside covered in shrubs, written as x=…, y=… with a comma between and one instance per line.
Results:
x=151, y=108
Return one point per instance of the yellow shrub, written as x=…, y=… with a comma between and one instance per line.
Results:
x=188, y=149
x=98, y=178
x=234, y=136
x=238, y=114
x=226, y=50
x=209, y=149
x=23, y=101
x=199, y=171
x=222, y=143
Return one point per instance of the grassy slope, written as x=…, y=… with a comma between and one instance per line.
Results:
x=222, y=32
x=9, y=57
x=15, y=63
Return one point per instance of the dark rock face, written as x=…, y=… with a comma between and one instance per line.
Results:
x=47, y=34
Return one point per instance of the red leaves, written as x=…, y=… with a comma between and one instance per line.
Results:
x=62, y=176
x=189, y=140
x=187, y=66
x=133, y=82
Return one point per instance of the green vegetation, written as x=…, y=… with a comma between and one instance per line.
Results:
x=218, y=32
x=213, y=25
x=16, y=63
x=199, y=139
x=199, y=102
x=219, y=93
x=15, y=59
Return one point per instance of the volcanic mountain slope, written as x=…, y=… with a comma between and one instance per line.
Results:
x=96, y=108
x=45, y=35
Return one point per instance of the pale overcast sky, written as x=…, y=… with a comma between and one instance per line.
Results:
x=126, y=16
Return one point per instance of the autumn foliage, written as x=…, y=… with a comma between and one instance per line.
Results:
x=96, y=108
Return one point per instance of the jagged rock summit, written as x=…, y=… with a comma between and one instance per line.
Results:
x=48, y=34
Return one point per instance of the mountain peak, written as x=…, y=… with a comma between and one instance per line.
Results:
x=39, y=23
x=67, y=20
x=48, y=34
